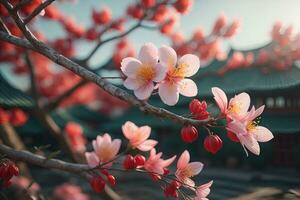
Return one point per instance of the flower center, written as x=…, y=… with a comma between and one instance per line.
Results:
x=180, y=70
x=235, y=107
x=104, y=154
x=251, y=126
x=146, y=72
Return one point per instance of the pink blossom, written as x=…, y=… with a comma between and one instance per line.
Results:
x=156, y=164
x=68, y=191
x=175, y=82
x=24, y=183
x=143, y=72
x=186, y=169
x=105, y=150
x=236, y=108
x=203, y=191
x=249, y=132
x=138, y=136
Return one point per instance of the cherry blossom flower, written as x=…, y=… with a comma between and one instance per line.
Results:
x=138, y=136
x=236, y=108
x=203, y=191
x=143, y=72
x=175, y=81
x=156, y=164
x=249, y=132
x=105, y=150
x=186, y=169
x=68, y=191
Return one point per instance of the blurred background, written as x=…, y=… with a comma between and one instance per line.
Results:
x=262, y=59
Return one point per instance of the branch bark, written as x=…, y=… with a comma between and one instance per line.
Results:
x=37, y=11
x=77, y=169
x=43, y=49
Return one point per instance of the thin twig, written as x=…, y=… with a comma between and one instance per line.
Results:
x=37, y=11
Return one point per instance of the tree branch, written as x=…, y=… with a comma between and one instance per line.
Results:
x=37, y=11
x=108, y=87
x=90, y=76
x=28, y=157
x=3, y=27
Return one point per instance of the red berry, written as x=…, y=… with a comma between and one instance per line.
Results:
x=97, y=184
x=4, y=117
x=139, y=160
x=213, y=143
x=148, y=3
x=189, y=134
x=18, y=117
x=112, y=180
x=232, y=136
x=129, y=162
x=198, y=109
x=104, y=172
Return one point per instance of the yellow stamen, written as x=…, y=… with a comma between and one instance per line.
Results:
x=146, y=72
x=251, y=126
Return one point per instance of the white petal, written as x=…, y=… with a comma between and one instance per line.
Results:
x=132, y=84
x=192, y=62
x=148, y=54
x=160, y=72
x=130, y=66
x=188, y=88
x=262, y=134
x=144, y=92
x=169, y=93
x=167, y=56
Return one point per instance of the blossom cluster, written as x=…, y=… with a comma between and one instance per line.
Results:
x=161, y=69
x=106, y=152
x=241, y=122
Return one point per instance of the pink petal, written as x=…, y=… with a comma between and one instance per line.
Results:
x=147, y=145
x=236, y=127
x=144, y=132
x=168, y=162
x=115, y=146
x=189, y=182
x=92, y=159
x=183, y=160
x=192, y=62
x=258, y=112
x=148, y=54
x=250, y=143
x=167, y=56
x=262, y=134
x=204, y=190
x=130, y=66
x=106, y=138
x=169, y=93
x=188, y=88
x=220, y=98
x=144, y=92
x=132, y=84
x=160, y=72
x=129, y=129
x=195, y=167
x=243, y=101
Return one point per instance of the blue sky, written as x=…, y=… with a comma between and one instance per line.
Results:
x=257, y=17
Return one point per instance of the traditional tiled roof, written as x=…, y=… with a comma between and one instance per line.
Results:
x=13, y=97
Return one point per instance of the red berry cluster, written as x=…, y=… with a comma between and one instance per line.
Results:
x=97, y=182
x=8, y=169
x=131, y=162
x=16, y=117
x=199, y=109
